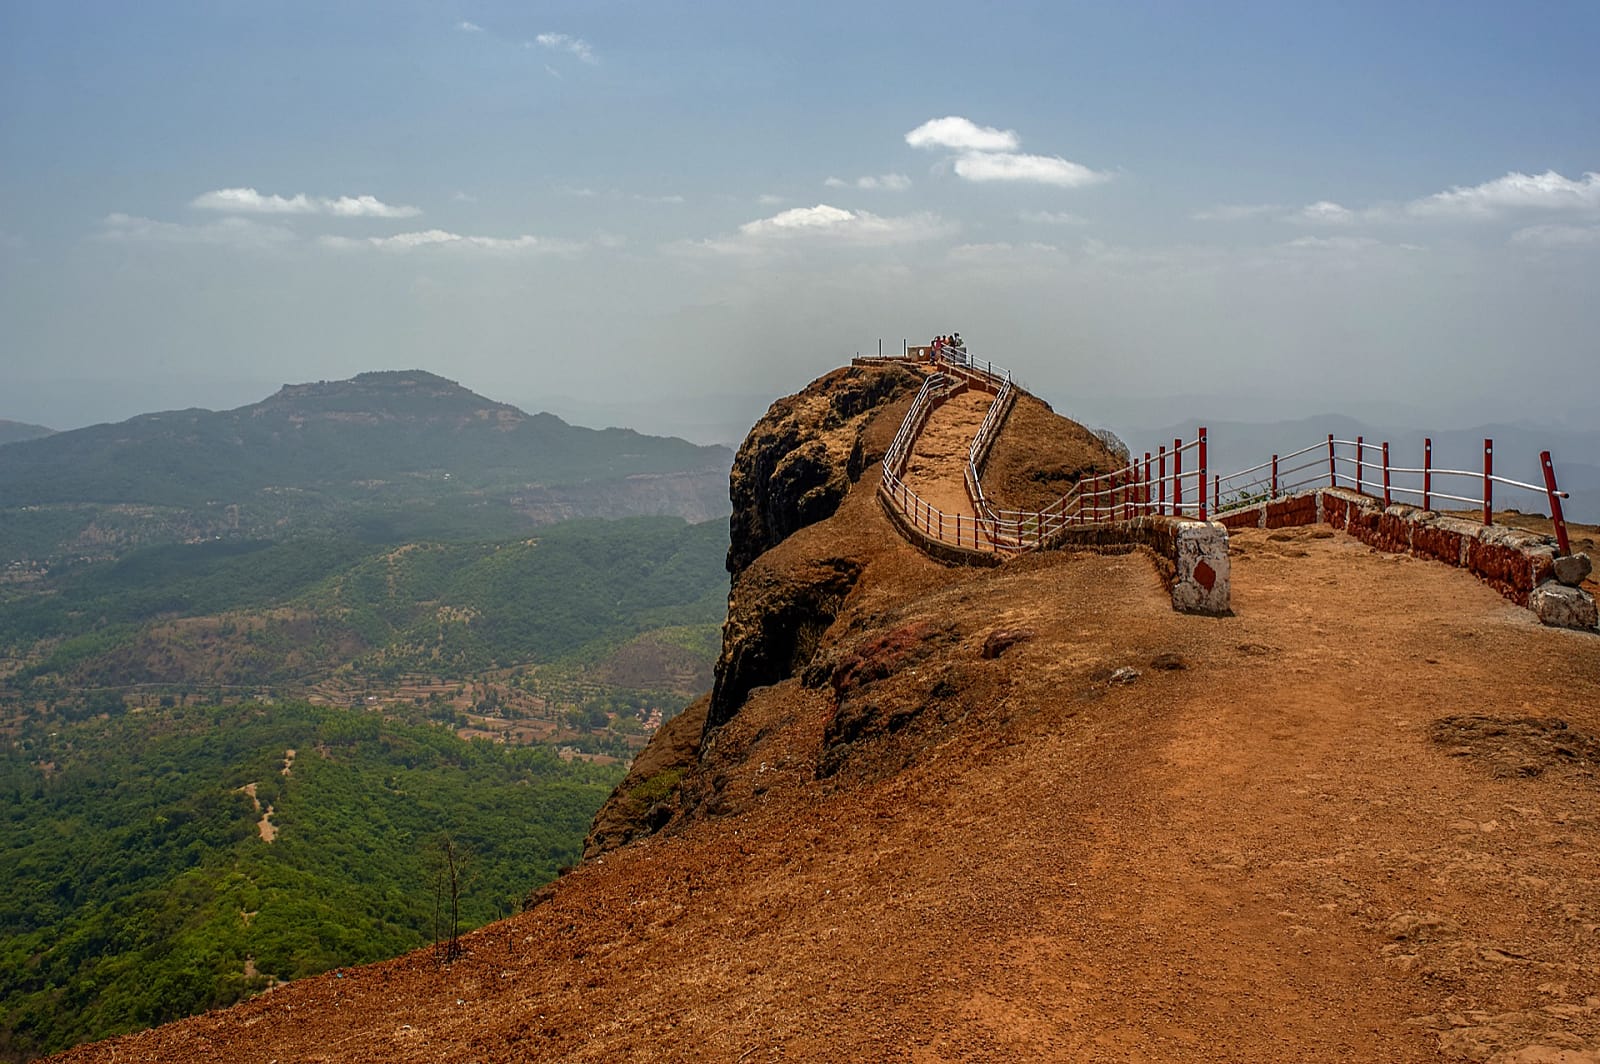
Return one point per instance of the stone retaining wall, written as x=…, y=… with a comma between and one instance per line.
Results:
x=935, y=548
x=1192, y=556
x=1518, y=564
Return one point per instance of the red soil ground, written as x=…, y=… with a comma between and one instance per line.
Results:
x=1291, y=848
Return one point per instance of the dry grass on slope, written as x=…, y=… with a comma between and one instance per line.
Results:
x=1039, y=456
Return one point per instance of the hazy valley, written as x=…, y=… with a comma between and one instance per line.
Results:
x=463, y=620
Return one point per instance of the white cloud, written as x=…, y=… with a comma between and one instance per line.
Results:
x=230, y=232
x=837, y=224
x=1010, y=166
x=1322, y=212
x=768, y=199
x=961, y=134
x=430, y=238
x=366, y=207
x=249, y=201
x=1325, y=212
x=1053, y=218
x=1558, y=236
x=468, y=27
x=1236, y=212
x=1515, y=191
x=562, y=42
x=873, y=182
x=823, y=224
x=1334, y=243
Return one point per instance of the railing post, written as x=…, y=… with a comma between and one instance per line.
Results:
x=941, y=526
x=1333, y=471
x=1216, y=492
x=1360, y=457
x=1161, y=481
x=1386, y=472
x=958, y=531
x=1202, y=489
x=1144, y=494
x=1427, y=473
x=1177, y=478
x=1488, y=481
x=1556, y=517
x=1274, y=494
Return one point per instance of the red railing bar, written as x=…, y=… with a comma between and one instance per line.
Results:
x=1427, y=473
x=1161, y=482
x=1556, y=516
x=1177, y=477
x=1488, y=481
x=1386, y=472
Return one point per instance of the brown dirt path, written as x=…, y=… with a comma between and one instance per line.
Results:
x=1263, y=856
x=939, y=456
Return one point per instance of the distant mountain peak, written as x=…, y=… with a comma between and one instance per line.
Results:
x=410, y=393
x=16, y=431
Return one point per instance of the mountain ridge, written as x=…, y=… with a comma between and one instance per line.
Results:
x=17, y=431
x=382, y=449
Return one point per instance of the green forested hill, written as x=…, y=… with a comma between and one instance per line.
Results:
x=287, y=613
x=137, y=887
x=391, y=455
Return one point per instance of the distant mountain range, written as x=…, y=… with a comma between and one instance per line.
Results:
x=390, y=455
x=16, y=431
x=1235, y=445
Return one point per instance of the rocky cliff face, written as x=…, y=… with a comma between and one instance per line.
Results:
x=795, y=469
x=799, y=460
x=829, y=642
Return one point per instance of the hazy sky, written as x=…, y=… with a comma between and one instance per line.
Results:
x=1280, y=207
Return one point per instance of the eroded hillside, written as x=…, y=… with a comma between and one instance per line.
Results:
x=1030, y=812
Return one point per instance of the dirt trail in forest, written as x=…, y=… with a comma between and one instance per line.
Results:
x=264, y=826
x=1291, y=848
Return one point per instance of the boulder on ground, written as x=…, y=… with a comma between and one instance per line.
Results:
x=1560, y=606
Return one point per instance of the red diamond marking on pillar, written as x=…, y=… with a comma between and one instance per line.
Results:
x=1205, y=576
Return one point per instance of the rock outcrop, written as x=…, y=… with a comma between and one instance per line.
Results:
x=810, y=553
x=799, y=460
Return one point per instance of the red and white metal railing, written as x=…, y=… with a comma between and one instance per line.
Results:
x=974, y=531
x=1154, y=484
x=1325, y=464
x=978, y=453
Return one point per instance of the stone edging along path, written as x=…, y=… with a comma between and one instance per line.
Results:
x=1521, y=565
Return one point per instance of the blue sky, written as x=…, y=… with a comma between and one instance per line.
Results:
x=669, y=214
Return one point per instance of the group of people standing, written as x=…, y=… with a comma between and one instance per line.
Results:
x=951, y=346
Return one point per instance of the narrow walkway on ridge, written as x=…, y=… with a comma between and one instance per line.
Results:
x=939, y=455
